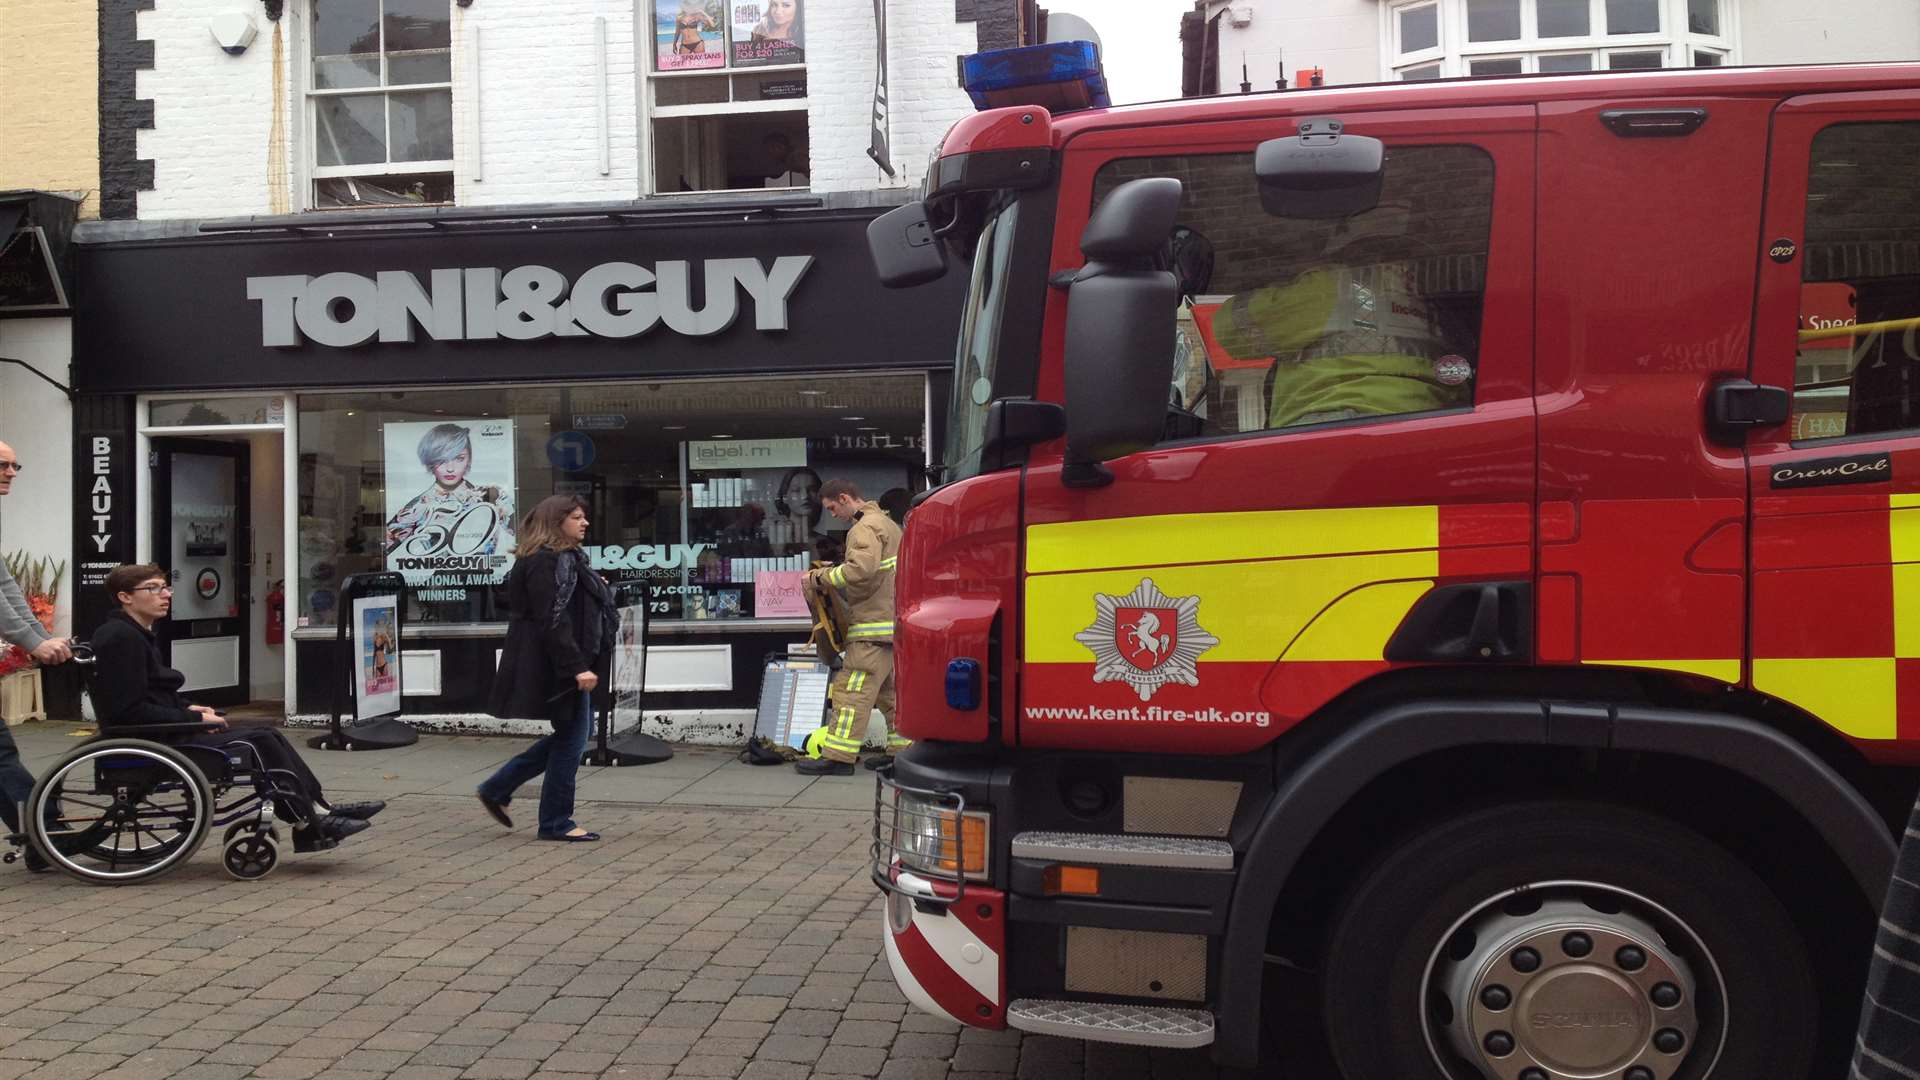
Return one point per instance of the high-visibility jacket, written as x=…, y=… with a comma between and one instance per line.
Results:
x=1348, y=341
x=864, y=579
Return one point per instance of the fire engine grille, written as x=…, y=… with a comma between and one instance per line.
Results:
x=1136, y=963
x=1158, y=804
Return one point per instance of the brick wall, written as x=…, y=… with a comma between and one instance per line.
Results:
x=923, y=42
x=214, y=148
x=212, y=113
x=49, y=84
x=538, y=103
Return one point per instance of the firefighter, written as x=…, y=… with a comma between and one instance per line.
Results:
x=1354, y=336
x=863, y=582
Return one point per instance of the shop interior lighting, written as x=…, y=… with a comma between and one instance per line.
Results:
x=852, y=418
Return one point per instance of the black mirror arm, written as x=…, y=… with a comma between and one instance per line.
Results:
x=1086, y=474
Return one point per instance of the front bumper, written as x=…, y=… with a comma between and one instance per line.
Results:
x=945, y=937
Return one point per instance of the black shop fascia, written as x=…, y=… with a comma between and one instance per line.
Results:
x=275, y=405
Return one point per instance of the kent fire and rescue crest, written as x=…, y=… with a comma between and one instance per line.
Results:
x=1146, y=639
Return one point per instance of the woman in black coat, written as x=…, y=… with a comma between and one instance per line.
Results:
x=132, y=685
x=560, y=633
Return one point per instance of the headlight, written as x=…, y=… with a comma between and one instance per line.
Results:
x=930, y=834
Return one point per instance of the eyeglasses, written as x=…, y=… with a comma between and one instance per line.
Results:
x=11, y=466
x=155, y=589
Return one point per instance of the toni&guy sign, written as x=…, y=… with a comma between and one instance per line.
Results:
x=526, y=303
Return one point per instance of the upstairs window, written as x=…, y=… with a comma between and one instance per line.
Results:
x=380, y=100
x=728, y=95
x=1441, y=38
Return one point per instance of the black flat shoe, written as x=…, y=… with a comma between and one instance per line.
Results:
x=876, y=762
x=361, y=810
x=498, y=811
x=36, y=864
x=583, y=838
x=823, y=767
x=336, y=827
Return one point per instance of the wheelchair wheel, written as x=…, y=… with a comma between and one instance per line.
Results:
x=118, y=811
x=251, y=855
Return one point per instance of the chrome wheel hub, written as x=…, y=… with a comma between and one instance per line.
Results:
x=1568, y=983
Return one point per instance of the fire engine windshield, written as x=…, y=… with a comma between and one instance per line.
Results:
x=976, y=362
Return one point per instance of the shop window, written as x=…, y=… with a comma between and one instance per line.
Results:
x=704, y=495
x=728, y=95
x=1294, y=322
x=380, y=97
x=1858, y=366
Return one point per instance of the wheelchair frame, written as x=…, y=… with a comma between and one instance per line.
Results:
x=153, y=791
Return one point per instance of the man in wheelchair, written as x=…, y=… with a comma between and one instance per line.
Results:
x=140, y=809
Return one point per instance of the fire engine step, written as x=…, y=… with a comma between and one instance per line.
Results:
x=1106, y=849
x=1136, y=1025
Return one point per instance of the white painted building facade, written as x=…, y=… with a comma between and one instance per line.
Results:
x=515, y=103
x=1356, y=41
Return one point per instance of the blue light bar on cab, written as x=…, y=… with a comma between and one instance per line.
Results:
x=1060, y=76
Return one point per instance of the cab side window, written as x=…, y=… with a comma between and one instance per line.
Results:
x=1857, y=371
x=1291, y=322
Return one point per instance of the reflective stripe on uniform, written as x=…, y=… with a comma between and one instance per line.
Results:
x=870, y=629
x=890, y=562
x=838, y=576
x=840, y=733
x=856, y=680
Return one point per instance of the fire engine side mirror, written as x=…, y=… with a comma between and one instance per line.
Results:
x=1121, y=310
x=904, y=249
x=1320, y=173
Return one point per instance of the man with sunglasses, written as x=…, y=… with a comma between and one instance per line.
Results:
x=19, y=627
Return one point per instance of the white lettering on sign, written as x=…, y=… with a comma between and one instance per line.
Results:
x=747, y=454
x=646, y=556
x=612, y=300
x=101, y=494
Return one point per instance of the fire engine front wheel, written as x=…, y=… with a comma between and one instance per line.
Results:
x=1557, y=940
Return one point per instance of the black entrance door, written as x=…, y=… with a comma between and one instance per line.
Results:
x=202, y=538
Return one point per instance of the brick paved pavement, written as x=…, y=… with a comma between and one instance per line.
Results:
x=696, y=941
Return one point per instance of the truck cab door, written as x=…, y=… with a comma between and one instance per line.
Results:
x=1357, y=435
x=1836, y=489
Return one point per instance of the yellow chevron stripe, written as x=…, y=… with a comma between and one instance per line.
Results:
x=1178, y=539
x=1903, y=533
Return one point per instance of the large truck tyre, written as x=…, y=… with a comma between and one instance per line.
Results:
x=1555, y=940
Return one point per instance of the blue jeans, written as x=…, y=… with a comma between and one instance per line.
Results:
x=558, y=756
x=16, y=783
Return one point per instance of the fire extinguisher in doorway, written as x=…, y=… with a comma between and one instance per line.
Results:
x=277, y=612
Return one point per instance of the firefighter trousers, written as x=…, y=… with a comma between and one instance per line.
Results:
x=864, y=683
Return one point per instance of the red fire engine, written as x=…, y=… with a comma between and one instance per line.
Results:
x=1442, y=558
